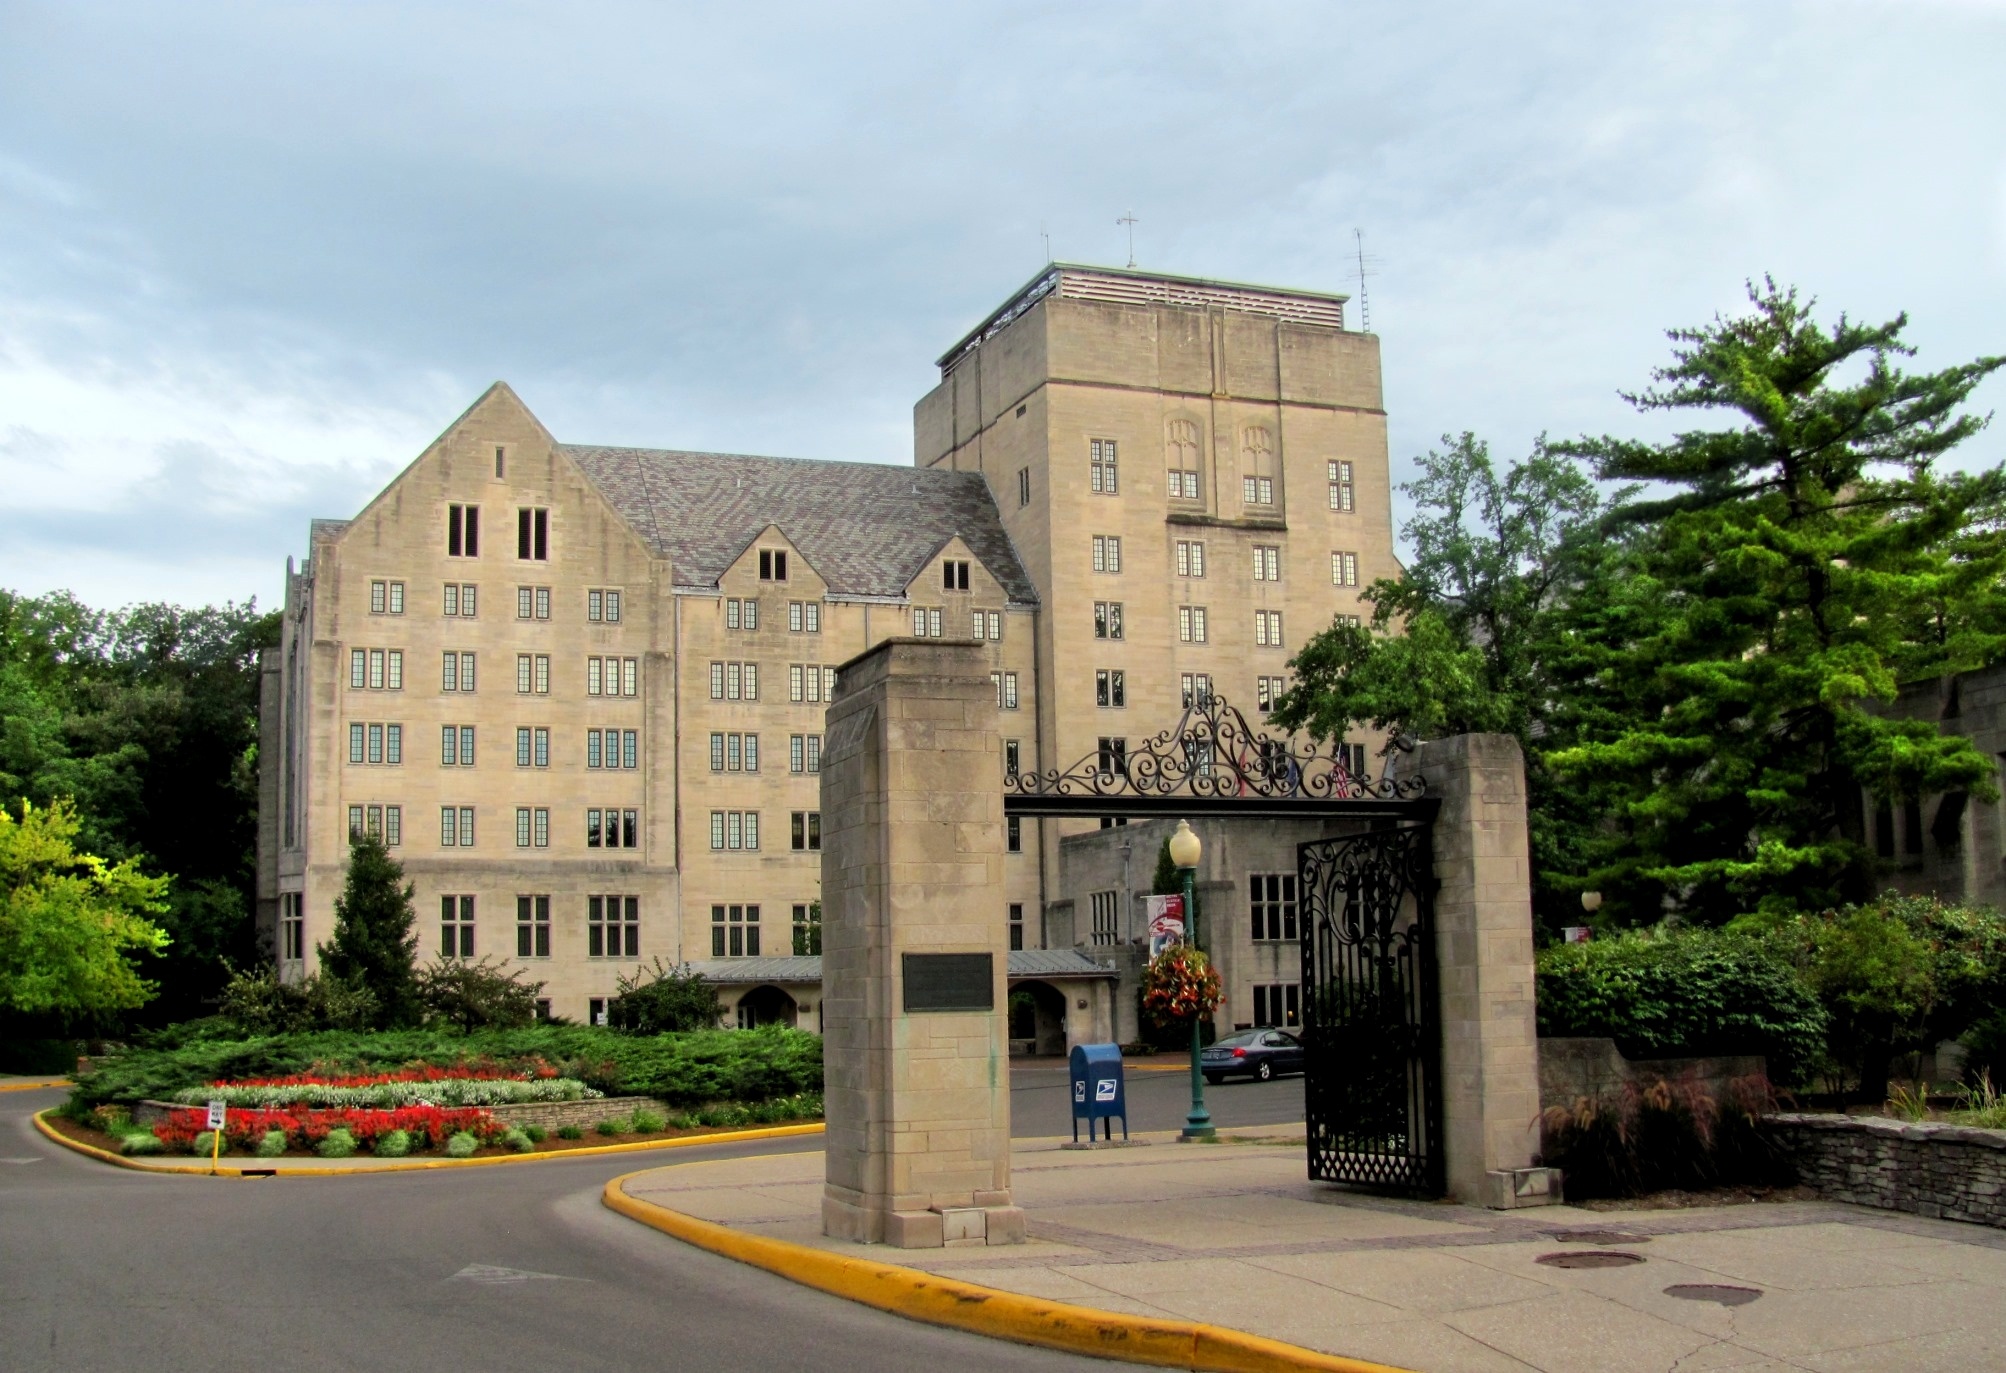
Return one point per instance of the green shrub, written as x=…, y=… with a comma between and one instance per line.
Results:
x=570, y=1132
x=393, y=1144
x=140, y=1143
x=537, y=1134
x=271, y=1144
x=664, y=1000
x=476, y=996
x=338, y=1144
x=518, y=1141
x=1985, y=1050
x=682, y=1069
x=617, y=1125
x=1665, y=994
x=462, y=1145
x=204, y=1144
x=1664, y=1134
x=257, y=1003
x=647, y=1122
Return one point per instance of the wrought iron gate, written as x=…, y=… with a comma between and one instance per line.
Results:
x=1371, y=1021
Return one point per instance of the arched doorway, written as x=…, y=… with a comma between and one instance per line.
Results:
x=1038, y=1017
x=766, y=1005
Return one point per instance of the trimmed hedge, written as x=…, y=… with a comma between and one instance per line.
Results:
x=684, y=1069
x=1668, y=994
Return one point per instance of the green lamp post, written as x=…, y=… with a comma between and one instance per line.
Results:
x=1185, y=851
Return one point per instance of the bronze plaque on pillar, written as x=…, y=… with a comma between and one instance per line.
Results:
x=949, y=982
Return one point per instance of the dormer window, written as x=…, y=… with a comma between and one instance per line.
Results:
x=772, y=564
x=954, y=575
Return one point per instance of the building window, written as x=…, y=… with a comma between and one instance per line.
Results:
x=731, y=753
x=926, y=622
x=804, y=753
x=1257, y=452
x=456, y=827
x=532, y=927
x=1181, y=444
x=807, y=929
x=810, y=682
x=1107, y=552
x=532, y=746
x=376, y=669
x=1016, y=925
x=1351, y=757
x=501, y=466
x=612, y=829
x=1278, y=1004
x=734, y=830
x=1190, y=558
x=1110, y=688
x=612, y=928
x=460, y=599
x=1191, y=624
x=741, y=613
x=1106, y=909
x=734, y=931
x=1344, y=569
x=1268, y=628
x=292, y=926
x=1006, y=689
x=378, y=822
x=532, y=674
x=1013, y=754
x=456, y=671
x=602, y=607
x=456, y=746
x=1100, y=466
x=1340, y=486
x=1197, y=687
x=532, y=603
x=1013, y=833
x=994, y=619
x=456, y=927
x=1268, y=691
x=1113, y=757
x=805, y=831
x=954, y=574
x=463, y=531
x=376, y=743
x=772, y=564
x=532, y=534
x=1023, y=487
x=804, y=617
x=734, y=681
x=386, y=598
x=532, y=827
x=1107, y=619
x=595, y=1010
x=1257, y=490
x=1273, y=898
x=1267, y=563
x=619, y=676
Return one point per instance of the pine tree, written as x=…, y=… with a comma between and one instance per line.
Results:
x=374, y=946
x=1802, y=563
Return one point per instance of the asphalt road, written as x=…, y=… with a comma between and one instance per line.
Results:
x=510, y=1268
x=1159, y=1097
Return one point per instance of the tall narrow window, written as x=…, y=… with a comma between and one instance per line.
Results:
x=1113, y=756
x=1110, y=688
x=1023, y=487
x=532, y=927
x=532, y=534
x=1191, y=624
x=1190, y=558
x=1181, y=450
x=456, y=927
x=463, y=531
x=1267, y=563
x=772, y=564
x=1341, y=497
x=1268, y=628
x=1016, y=925
x=1107, y=619
x=1101, y=466
x=1344, y=569
x=1107, y=552
x=1272, y=897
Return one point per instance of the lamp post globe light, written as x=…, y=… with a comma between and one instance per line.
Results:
x=1185, y=851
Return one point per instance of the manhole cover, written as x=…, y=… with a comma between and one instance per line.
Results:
x=1712, y=1291
x=1596, y=1237
x=1589, y=1258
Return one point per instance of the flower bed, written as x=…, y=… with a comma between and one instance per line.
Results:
x=427, y=1126
x=416, y=1085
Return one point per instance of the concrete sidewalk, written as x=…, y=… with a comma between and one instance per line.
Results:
x=1233, y=1235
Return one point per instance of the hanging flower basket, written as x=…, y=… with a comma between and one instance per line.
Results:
x=1180, y=984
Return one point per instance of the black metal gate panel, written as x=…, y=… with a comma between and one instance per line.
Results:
x=1371, y=1019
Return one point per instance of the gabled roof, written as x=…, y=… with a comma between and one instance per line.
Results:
x=866, y=528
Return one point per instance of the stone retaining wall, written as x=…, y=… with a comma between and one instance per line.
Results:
x=1570, y=1069
x=1952, y=1172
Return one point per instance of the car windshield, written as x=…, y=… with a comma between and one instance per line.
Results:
x=1236, y=1041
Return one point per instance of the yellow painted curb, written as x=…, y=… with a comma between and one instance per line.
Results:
x=238, y=1170
x=33, y=1086
x=936, y=1300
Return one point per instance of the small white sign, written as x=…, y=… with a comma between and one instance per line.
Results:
x=1577, y=934
x=1079, y=1091
x=216, y=1115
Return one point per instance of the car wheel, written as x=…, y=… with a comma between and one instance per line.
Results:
x=1265, y=1072
x=1215, y=1078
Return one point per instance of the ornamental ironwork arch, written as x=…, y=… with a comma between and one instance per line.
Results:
x=1212, y=761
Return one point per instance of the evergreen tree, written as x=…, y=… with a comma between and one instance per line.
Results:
x=1801, y=563
x=374, y=946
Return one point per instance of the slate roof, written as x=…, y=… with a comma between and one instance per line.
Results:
x=867, y=528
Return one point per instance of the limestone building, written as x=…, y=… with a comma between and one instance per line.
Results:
x=580, y=689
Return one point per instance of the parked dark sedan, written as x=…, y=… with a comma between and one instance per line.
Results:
x=1252, y=1053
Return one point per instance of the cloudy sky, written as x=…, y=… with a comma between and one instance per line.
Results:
x=253, y=257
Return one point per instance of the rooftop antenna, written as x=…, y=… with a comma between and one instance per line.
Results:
x=1367, y=266
x=1131, y=221
x=1046, y=234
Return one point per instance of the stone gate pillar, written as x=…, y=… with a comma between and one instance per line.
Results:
x=916, y=1072
x=1484, y=960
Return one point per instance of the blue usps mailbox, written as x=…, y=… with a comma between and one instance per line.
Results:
x=1098, y=1091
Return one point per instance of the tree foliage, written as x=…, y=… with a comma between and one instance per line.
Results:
x=664, y=1000
x=373, y=945
x=476, y=995
x=256, y=1002
x=68, y=921
x=1801, y=562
